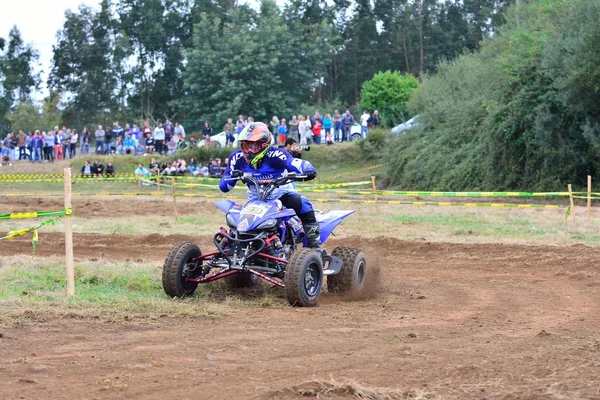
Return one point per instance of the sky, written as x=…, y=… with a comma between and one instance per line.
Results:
x=38, y=21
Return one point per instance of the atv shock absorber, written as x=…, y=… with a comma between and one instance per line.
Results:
x=273, y=245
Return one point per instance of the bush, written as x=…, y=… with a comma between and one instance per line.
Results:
x=520, y=114
x=375, y=145
x=389, y=93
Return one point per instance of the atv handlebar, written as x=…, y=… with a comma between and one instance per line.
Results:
x=266, y=187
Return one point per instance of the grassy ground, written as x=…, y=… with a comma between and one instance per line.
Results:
x=34, y=288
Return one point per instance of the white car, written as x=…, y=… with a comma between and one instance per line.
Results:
x=220, y=140
x=411, y=123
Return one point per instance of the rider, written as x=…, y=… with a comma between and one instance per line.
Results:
x=257, y=157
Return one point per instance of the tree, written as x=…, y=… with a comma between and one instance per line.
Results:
x=17, y=67
x=84, y=65
x=29, y=117
x=389, y=93
x=253, y=65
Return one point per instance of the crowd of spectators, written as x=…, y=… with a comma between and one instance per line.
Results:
x=169, y=138
x=213, y=169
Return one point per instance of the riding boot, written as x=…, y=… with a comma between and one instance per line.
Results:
x=313, y=235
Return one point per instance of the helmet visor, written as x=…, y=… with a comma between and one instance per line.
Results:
x=252, y=147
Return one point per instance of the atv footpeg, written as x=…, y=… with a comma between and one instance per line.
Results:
x=334, y=265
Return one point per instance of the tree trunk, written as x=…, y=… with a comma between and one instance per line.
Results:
x=421, y=37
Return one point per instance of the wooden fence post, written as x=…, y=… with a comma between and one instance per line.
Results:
x=174, y=198
x=69, y=236
x=572, y=207
x=374, y=186
x=589, y=198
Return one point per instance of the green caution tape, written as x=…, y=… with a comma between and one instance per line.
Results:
x=37, y=214
x=34, y=229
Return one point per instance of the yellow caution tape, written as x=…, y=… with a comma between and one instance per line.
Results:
x=38, y=214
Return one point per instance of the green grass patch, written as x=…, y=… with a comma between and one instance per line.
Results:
x=34, y=288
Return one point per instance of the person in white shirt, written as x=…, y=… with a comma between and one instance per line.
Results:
x=159, y=138
x=364, y=123
x=179, y=130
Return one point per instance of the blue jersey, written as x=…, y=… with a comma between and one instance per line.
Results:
x=273, y=165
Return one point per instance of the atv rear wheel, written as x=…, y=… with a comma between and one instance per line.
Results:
x=353, y=275
x=304, y=278
x=241, y=280
x=173, y=279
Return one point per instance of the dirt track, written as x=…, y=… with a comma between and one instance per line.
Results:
x=449, y=320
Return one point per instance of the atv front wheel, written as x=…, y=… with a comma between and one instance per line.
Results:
x=353, y=275
x=173, y=279
x=241, y=280
x=304, y=278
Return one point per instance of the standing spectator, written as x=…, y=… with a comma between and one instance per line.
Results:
x=22, y=142
x=229, y=126
x=100, y=135
x=293, y=129
x=337, y=126
x=107, y=139
x=136, y=133
x=179, y=130
x=364, y=123
x=375, y=119
x=327, y=126
x=309, y=133
x=6, y=153
x=282, y=131
x=86, y=138
x=242, y=121
x=146, y=130
x=117, y=131
x=316, y=117
x=49, y=147
x=274, y=126
x=37, y=143
x=347, y=121
x=110, y=168
x=127, y=131
x=229, y=137
x=239, y=127
x=302, y=129
x=58, y=149
x=317, y=126
x=129, y=145
x=74, y=138
x=159, y=138
x=169, y=132
x=86, y=170
x=66, y=143
x=28, y=143
x=207, y=130
x=13, y=145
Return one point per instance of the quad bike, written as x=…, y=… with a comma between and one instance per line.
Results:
x=267, y=241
